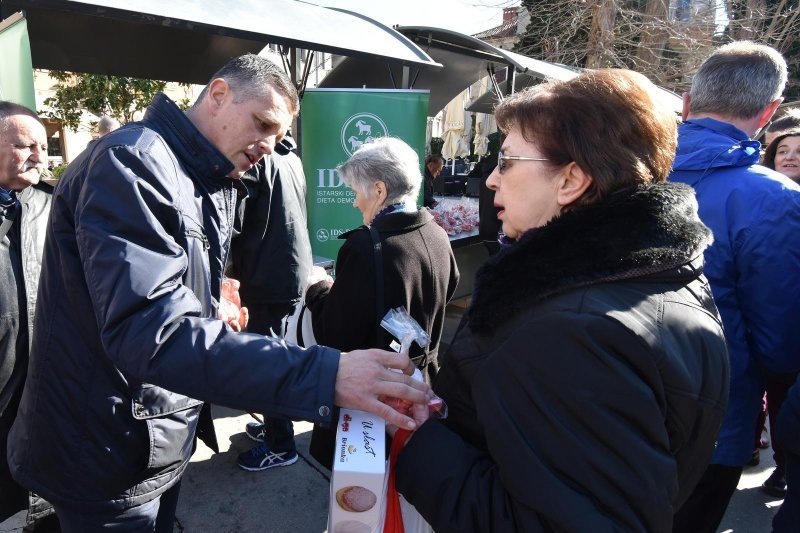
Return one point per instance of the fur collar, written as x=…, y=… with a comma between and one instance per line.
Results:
x=631, y=234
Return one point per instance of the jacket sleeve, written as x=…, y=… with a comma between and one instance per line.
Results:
x=768, y=283
x=575, y=439
x=344, y=316
x=152, y=326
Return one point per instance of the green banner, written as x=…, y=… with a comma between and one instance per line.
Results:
x=16, y=70
x=334, y=123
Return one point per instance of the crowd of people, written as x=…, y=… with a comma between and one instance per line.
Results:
x=608, y=375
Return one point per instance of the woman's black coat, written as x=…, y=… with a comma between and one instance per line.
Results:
x=588, y=381
x=419, y=274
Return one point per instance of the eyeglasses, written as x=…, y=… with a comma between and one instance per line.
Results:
x=502, y=158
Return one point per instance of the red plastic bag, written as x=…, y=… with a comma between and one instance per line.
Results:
x=394, y=516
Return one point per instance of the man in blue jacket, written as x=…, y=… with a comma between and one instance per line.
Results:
x=127, y=344
x=754, y=264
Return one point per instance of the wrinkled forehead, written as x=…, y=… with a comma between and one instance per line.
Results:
x=22, y=128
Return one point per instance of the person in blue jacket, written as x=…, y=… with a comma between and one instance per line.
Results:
x=127, y=343
x=753, y=265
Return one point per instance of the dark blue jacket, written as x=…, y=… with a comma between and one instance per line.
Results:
x=271, y=253
x=788, y=431
x=753, y=266
x=126, y=343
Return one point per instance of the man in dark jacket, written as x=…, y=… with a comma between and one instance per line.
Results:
x=271, y=258
x=752, y=267
x=788, y=429
x=127, y=344
x=434, y=163
x=24, y=207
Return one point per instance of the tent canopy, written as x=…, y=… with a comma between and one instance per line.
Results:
x=464, y=61
x=187, y=41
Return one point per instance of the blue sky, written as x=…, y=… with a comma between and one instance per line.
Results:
x=465, y=16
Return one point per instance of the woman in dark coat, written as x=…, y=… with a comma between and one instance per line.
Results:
x=418, y=269
x=588, y=382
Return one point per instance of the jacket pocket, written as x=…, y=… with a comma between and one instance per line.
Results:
x=171, y=423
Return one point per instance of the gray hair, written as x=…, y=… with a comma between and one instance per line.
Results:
x=738, y=80
x=387, y=159
x=106, y=125
x=248, y=76
x=789, y=120
x=9, y=109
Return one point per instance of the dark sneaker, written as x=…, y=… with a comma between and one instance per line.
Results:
x=256, y=431
x=775, y=485
x=261, y=458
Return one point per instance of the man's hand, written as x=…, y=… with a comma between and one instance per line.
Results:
x=364, y=377
x=230, y=305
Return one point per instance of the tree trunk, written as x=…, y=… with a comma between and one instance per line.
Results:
x=653, y=38
x=601, y=35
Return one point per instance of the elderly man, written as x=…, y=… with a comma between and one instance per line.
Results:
x=752, y=266
x=24, y=207
x=127, y=344
x=106, y=125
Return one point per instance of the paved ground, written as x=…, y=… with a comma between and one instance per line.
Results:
x=219, y=497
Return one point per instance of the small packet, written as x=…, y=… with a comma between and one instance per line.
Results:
x=404, y=328
x=408, y=331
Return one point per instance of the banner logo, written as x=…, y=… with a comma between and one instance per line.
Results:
x=361, y=129
x=323, y=235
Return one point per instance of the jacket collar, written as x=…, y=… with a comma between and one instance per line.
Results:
x=705, y=144
x=396, y=222
x=402, y=221
x=651, y=230
x=185, y=140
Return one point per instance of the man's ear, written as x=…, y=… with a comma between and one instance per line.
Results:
x=574, y=182
x=687, y=106
x=766, y=114
x=218, y=92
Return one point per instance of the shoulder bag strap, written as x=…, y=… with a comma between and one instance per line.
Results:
x=377, y=256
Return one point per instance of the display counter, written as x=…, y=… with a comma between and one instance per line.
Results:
x=459, y=217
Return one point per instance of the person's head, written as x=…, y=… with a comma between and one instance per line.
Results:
x=106, y=125
x=23, y=147
x=741, y=81
x=582, y=140
x=783, y=154
x=382, y=173
x=790, y=120
x=245, y=109
x=434, y=163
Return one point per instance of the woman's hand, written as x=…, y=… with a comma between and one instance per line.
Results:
x=419, y=412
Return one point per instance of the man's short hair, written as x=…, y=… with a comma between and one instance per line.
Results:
x=106, y=125
x=8, y=109
x=434, y=158
x=738, y=80
x=248, y=75
x=790, y=120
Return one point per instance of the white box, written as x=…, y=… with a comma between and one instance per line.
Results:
x=359, y=471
